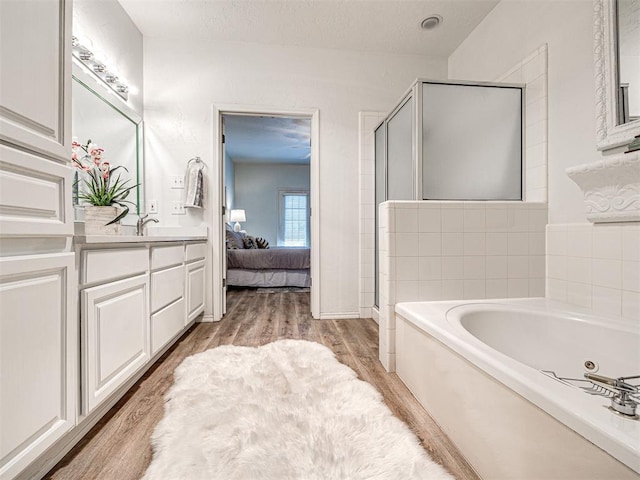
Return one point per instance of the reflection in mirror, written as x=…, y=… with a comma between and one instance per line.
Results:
x=96, y=117
x=628, y=41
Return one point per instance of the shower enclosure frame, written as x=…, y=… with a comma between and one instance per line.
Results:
x=415, y=92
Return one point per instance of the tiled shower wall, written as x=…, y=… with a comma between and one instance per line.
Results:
x=596, y=267
x=532, y=71
x=457, y=250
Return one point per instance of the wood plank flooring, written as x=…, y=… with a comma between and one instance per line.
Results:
x=119, y=448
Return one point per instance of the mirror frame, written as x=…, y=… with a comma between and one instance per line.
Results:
x=89, y=81
x=608, y=133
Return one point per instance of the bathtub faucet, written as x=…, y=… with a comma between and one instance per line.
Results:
x=621, y=402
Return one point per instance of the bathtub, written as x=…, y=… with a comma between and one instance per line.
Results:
x=476, y=367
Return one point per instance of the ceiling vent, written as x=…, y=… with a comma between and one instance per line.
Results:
x=431, y=22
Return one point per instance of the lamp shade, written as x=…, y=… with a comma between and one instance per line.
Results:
x=237, y=216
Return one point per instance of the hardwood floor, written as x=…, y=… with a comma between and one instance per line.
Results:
x=118, y=447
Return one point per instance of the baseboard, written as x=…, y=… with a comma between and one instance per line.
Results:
x=339, y=316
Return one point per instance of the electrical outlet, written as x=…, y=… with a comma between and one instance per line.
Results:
x=177, y=182
x=177, y=208
x=153, y=206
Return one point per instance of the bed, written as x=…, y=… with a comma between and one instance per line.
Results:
x=266, y=267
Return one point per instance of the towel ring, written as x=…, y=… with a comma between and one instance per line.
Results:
x=197, y=160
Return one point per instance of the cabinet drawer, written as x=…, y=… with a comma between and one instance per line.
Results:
x=104, y=265
x=162, y=257
x=165, y=324
x=166, y=287
x=196, y=251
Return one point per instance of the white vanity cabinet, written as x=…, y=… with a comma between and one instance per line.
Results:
x=114, y=320
x=194, y=280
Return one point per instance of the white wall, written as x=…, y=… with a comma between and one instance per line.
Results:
x=513, y=30
x=184, y=79
x=113, y=33
x=256, y=191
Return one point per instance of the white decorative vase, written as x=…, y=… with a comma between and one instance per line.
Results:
x=96, y=219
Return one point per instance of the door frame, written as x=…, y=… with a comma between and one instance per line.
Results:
x=217, y=232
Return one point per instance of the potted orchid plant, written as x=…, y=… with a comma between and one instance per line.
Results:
x=100, y=188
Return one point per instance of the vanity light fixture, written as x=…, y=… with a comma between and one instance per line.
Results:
x=87, y=58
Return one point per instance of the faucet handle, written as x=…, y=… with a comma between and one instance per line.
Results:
x=142, y=217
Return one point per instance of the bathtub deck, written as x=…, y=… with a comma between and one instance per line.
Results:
x=119, y=448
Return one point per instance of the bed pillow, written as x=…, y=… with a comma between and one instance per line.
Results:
x=250, y=242
x=234, y=239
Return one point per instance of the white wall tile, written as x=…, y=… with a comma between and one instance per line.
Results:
x=607, y=273
x=579, y=269
x=631, y=243
x=536, y=287
x=430, y=290
x=556, y=240
x=556, y=289
x=631, y=276
x=518, y=243
x=474, y=289
x=537, y=243
x=474, y=243
x=406, y=244
x=452, y=219
x=537, y=266
x=407, y=291
x=518, y=219
x=452, y=244
x=518, y=267
x=430, y=268
x=429, y=220
x=407, y=268
x=452, y=289
x=579, y=294
x=497, y=267
x=452, y=268
x=496, y=220
x=631, y=305
x=518, y=287
x=474, y=267
x=557, y=267
x=607, y=242
x=580, y=240
x=406, y=219
x=497, y=243
x=497, y=288
x=474, y=220
x=606, y=301
x=430, y=244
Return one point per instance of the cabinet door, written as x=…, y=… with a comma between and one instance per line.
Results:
x=35, y=78
x=115, y=336
x=195, y=290
x=38, y=361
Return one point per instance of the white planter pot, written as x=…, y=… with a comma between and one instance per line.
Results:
x=96, y=219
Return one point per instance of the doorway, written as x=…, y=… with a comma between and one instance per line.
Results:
x=268, y=182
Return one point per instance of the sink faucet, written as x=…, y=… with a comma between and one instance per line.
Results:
x=142, y=222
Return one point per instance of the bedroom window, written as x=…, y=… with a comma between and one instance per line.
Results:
x=293, y=229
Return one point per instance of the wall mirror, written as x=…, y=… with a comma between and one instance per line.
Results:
x=99, y=115
x=617, y=70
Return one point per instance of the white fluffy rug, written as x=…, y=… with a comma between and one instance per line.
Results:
x=287, y=410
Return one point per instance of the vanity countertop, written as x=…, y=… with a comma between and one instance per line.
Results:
x=96, y=239
x=155, y=234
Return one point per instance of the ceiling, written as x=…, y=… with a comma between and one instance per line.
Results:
x=263, y=139
x=389, y=26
